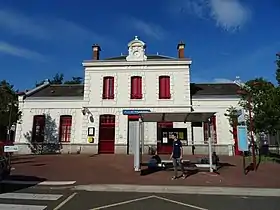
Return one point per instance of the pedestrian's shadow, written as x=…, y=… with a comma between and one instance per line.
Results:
x=249, y=168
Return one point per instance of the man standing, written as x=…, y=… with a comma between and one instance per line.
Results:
x=177, y=156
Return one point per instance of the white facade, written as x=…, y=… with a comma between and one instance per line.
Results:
x=136, y=64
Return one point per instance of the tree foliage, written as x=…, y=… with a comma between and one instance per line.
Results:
x=75, y=80
x=58, y=79
x=9, y=112
x=231, y=114
x=263, y=98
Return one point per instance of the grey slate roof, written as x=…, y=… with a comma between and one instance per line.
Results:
x=60, y=91
x=149, y=57
x=214, y=89
x=204, y=89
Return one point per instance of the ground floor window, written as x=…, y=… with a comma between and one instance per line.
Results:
x=38, y=130
x=207, y=129
x=65, y=128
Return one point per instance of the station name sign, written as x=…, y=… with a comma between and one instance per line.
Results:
x=135, y=111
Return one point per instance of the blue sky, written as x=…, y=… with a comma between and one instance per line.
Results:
x=224, y=38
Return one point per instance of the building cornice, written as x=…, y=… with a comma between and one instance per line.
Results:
x=93, y=63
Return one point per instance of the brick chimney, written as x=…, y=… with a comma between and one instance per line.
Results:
x=96, y=52
x=181, y=49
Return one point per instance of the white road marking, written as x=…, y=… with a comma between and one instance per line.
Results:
x=65, y=201
x=30, y=196
x=21, y=207
x=180, y=203
x=44, y=183
x=122, y=203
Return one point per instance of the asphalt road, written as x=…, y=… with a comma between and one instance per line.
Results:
x=34, y=198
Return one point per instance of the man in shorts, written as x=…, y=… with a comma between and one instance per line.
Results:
x=177, y=157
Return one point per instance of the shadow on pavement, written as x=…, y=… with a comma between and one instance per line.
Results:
x=224, y=165
x=16, y=182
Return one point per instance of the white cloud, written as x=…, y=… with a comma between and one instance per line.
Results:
x=47, y=28
x=19, y=24
x=230, y=15
x=149, y=29
x=12, y=50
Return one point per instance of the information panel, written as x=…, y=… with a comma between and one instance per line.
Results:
x=242, y=138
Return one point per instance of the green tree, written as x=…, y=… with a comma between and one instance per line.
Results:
x=75, y=80
x=278, y=68
x=58, y=79
x=9, y=112
x=265, y=102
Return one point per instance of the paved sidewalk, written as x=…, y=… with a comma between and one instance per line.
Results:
x=118, y=169
x=237, y=191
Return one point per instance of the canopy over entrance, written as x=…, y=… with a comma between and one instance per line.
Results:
x=168, y=117
x=176, y=116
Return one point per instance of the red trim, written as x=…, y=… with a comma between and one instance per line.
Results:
x=136, y=87
x=165, y=124
x=108, y=88
x=164, y=87
x=65, y=128
x=133, y=117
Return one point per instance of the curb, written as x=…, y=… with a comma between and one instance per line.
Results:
x=234, y=191
x=44, y=183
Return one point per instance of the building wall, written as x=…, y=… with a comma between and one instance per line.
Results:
x=52, y=110
x=80, y=124
x=225, y=140
x=179, y=79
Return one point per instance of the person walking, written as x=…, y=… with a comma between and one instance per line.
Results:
x=177, y=157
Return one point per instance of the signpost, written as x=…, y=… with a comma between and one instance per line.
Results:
x=242, y=138
x=10, y=148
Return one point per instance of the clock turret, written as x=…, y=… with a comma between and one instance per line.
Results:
x=136, y=50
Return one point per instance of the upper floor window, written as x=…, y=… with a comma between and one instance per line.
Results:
x=136, y=87
x=108, y=88
x=164, y=87
x=65, y=128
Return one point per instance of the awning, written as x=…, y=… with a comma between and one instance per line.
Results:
x=176, y=116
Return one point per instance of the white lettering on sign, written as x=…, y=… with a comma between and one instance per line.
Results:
x=10, y=148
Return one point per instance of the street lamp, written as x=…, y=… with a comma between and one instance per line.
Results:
x=249, y=100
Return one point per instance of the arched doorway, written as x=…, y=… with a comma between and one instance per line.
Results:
x=106, y=143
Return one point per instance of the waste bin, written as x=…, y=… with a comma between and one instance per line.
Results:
x=265, y=148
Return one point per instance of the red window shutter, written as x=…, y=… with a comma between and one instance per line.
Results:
x=206, y=131
x=164, y=87
x=136, y=87
x=214, y=123
x=108, y=88
x=65, y=128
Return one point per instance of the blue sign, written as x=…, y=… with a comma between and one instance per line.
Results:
x=242, y=138
x=135, y=112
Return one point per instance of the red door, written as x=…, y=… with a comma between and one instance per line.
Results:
x=106, y=143
x=164, y=148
